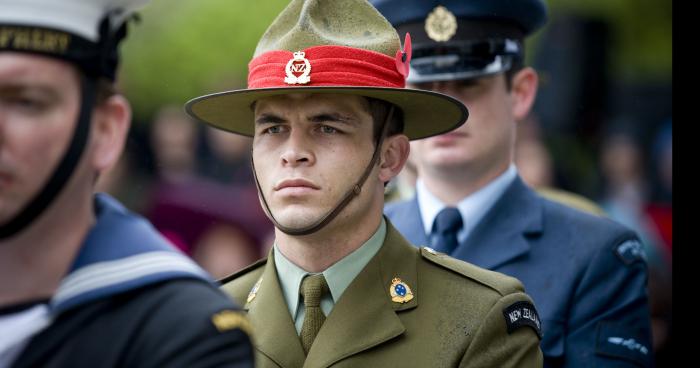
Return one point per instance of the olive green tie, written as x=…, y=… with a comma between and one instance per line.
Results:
x=313, y=288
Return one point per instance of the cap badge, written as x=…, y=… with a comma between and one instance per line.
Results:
x=441, y=24
x=399, y=291
x=298, y=64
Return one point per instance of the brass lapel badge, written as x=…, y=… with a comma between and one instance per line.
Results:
x=298, y=64
x=399, y=291
x=254, y=291
x=441, y=24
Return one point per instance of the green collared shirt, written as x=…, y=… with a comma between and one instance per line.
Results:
x=338, y=276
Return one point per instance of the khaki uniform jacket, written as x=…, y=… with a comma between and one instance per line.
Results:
x=455, y=319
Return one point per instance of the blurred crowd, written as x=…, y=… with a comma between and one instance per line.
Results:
x=195, y=185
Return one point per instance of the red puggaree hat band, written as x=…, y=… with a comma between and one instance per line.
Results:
x=330, y=65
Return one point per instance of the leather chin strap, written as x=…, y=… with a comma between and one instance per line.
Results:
x=64, y=170
x=352, y=193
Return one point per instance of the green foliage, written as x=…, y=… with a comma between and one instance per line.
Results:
x=182, y=49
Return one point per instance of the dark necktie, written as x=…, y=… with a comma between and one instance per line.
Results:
x=447, y=224
x=313, y=288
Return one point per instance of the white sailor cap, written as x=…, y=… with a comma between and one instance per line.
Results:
x=85, y=32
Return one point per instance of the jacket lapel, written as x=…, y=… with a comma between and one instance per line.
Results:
x=502, y=234
x=365, y=316
x=274, y=335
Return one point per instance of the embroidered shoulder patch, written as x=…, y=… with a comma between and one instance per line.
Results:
x=619, y=341
x=521, y=314
x=228, y=320
x=630, y=251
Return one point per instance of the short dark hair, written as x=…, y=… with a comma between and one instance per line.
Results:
x=379, y=109
x=104, y=90
x=104, y=87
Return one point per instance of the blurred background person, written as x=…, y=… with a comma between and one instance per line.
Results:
x=536, y=168
x=215, y=218
x=174, y=141
x=212, y=215
x=471, y=203
x=628, y=198
x=227, y=159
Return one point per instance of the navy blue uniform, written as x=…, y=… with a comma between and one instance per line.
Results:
x=131, y=300
x=586, y=274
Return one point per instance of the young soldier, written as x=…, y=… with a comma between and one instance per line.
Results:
x=331, y=123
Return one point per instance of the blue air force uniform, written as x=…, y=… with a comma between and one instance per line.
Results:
x=586, y=274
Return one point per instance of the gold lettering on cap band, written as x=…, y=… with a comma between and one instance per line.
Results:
x=34, y=39
x=441, y=24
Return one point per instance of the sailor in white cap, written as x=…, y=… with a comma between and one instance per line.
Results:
x=84, y=282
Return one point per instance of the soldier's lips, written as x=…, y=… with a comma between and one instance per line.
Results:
x=448, y=138
x=295, y=186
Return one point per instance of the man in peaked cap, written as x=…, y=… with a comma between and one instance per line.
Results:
x=586, y=274
x=83, y=282
x=331, y=122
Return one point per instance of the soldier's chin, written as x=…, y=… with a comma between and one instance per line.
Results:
x=296, y=219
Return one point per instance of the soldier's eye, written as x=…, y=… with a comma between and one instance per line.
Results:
x=26, y=104
x=274, y=129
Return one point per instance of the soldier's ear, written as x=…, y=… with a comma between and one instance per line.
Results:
x=111, y=121
x=395, y=150
x=523, y=92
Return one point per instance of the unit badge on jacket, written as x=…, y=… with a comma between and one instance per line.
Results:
x=399, y=291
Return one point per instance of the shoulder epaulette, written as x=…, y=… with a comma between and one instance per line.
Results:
x=503, y=284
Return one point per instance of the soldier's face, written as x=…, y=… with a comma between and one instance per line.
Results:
x=486, y=139
x=39, y=103
x=308, y=151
